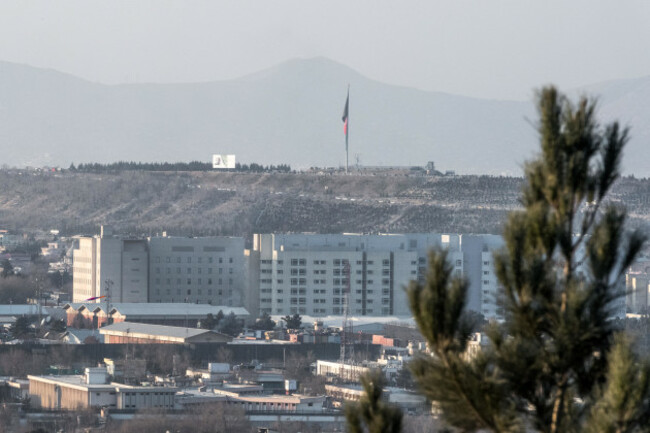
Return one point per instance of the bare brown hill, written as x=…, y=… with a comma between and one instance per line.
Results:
x=209, y=203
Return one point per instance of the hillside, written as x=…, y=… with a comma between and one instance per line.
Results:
x=208, y=203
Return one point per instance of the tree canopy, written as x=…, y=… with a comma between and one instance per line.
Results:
x=264, y=323
x=230, y=325
x=556, y=362
x=372, y=414
x=292, y=322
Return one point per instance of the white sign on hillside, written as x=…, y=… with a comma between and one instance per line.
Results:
x=223, y=161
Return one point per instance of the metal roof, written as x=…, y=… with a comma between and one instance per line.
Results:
x=23, y=310
x=141, y=309
x=144, y=329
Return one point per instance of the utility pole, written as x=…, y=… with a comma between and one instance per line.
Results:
x=346, y=326
x=39, y=296
x=108, y=283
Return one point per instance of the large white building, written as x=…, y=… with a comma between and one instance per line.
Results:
x=110, y=263
x=309, y=273
x=206, y=270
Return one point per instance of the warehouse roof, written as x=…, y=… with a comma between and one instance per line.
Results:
x=145, y=330
x=161, y=309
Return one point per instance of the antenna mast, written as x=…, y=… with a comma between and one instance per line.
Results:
x=346, y=328
x=109, y=283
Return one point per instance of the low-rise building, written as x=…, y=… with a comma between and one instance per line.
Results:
x=294, y=403
x=335, y=370
x=216, y=371
x=92, y=390
x=93, y=315
x=143, y=333
x=404, y=399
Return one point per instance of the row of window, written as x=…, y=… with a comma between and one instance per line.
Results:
x=157, y=259
x=335, y=310
x=168, y=270
x=189, y=292
x=198, y=281
x=336, y=262
x=321, y=281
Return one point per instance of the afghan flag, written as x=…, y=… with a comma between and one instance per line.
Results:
x=345, y=115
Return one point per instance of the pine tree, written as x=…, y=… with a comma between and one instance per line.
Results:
x=371, y=414
x=264, y=323
x=555, y=364
x=293, y=322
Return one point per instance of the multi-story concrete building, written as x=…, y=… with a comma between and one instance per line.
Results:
x=206, y=270
x=309, y=273
x=478, y=268
x=110, y=265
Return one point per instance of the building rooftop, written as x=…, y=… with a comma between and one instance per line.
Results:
x=22, y=310
x=144, y=329
x=77, y=381
x=161, y=309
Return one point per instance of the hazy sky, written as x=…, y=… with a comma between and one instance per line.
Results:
x=484, y=48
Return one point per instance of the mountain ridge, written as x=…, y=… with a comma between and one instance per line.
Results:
x=288, y=113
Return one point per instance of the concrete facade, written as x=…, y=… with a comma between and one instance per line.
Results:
x=305, y=273
x=197, y=270
x=206, y=270
x=107, y=265
x=81, y=392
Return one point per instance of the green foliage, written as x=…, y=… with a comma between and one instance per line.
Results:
x=231, y=325
x=210, y=322
x=172, y=166
x=31, y=247
x=371, y=414
x=7, y=268
x=624, y=406
x=219, y=316
x=264, y=323
x=20, y=328
x=292, y=322
x=550, y=366
x=58, y=325
x=16, y=289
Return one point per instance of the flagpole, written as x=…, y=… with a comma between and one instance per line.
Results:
x=347, y=135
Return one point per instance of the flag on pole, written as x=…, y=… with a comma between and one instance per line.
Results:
x=95, y=297
x=345, y=114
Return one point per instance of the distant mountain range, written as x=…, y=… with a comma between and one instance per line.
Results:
x=291, y=114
